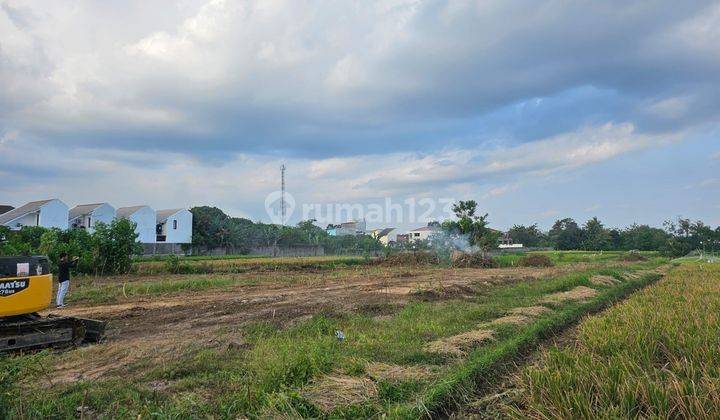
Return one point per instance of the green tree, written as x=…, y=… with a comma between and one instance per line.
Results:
x=114, y=245
x=471, y=226
x=529, y=236
x=595, y=237
x=565, y=234
x=643, y=238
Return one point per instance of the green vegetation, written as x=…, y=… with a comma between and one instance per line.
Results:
x=572, y=257
x=470, y=226
x=214, y=229
x=178, y=265
x=273, y=371
x=657, y=355
x=112, y=292
x=108, y=250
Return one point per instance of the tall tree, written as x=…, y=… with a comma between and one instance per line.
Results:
x=566, y=234
x=529, y=236
x=595, y=236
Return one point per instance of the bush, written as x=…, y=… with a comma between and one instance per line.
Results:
x=536, y=260
x=108, y=250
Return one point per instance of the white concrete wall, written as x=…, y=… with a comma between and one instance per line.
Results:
x=183, y=233
x=422, y=235
x=27, y=220
x=54, y=214
x=390, y=237
x=145, y=220
x=104, y=213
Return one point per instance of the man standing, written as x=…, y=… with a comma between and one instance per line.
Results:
x=64, y=266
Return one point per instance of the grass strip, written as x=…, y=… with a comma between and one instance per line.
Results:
x=457, y=385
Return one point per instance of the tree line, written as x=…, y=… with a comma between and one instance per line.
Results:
x=212, y=228
x=676, y=238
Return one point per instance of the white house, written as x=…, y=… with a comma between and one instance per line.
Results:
x=51, y=213
x=385, y=236
x=352, y=227
x=174, y=226
x=422, y=233
x=144, y=218
x=84, y=216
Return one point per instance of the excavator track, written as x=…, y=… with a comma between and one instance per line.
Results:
x=33, y=332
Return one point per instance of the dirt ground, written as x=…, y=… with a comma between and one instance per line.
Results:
x=150, y=328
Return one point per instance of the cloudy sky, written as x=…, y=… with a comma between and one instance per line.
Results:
x=536, y=109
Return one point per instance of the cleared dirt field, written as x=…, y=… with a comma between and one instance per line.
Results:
x=264, y=343
x=150, y=325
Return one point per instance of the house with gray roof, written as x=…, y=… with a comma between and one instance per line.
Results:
x=174, y=226
x=84, y=216
x=51, y=213
x=144, y=218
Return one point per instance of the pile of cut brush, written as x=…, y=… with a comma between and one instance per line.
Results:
x=461, y=259
x=535, y=260
x=633, y=256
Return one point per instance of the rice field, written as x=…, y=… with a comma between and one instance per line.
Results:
x=656, y=355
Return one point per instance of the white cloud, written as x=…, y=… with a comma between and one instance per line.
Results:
x=241, y=182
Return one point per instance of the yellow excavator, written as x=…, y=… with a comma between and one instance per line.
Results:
x=26, y=289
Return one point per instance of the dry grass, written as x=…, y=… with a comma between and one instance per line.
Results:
x=652, y=356
x=386, y=372
x=599, y=280
x=411, y=258
x=512, y=319
x=332, y=391
x=578, y=293
x=531, y=311
x=458, y=344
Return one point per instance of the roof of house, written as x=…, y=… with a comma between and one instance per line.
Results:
x=21, y=211
x=5, y=208
x=384, y=232
x=424, y=229
x=83, y=209
x=162, y=215
x=125, y=212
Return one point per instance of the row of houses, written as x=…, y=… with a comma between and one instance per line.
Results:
x=152, y=226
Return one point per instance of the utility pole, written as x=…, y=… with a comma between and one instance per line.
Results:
x=282, y=196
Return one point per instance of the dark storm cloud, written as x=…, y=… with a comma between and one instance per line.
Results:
x=311, y=79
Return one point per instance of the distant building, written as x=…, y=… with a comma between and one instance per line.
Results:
x=403, y=238
x=506, y=242
x=84, y=216
x=422, y=233
x=144, y=218
x=5, y=208
x=348, y=228
x=51, y=213
x=385, y=236
x=174, y=226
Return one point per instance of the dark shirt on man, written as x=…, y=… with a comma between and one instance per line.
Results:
x=64, y=270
